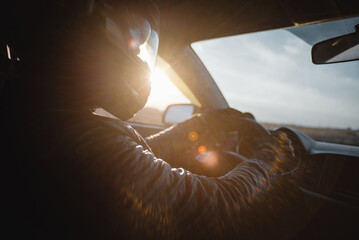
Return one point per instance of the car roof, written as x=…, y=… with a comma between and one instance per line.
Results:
x=187, y=21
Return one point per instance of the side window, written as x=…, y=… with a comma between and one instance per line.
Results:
x=163, y=93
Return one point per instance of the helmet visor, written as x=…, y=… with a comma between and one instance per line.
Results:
x=134, y=34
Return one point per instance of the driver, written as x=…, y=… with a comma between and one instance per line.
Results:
x=86, y=176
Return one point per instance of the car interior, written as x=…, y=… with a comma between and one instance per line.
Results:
x=326, y=172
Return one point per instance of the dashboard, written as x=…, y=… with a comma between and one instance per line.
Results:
x=328, y=175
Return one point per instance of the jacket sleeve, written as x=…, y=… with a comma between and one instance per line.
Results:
x=173, y=144
x=156, y=200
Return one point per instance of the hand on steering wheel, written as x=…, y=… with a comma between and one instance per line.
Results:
x=236, y=131
x=222, y=138
x=225, y=135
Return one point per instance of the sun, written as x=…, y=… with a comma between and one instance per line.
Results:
x=159, y=79
x=163, y=91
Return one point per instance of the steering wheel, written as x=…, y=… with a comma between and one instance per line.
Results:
x=219, y=148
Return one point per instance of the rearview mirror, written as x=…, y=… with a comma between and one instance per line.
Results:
x=340, y=49
x=177, y=113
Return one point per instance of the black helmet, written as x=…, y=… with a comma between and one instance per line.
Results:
x=97, y=53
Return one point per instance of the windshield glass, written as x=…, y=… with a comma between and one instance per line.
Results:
x=271, y=75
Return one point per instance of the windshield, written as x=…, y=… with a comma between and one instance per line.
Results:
x=271, y=75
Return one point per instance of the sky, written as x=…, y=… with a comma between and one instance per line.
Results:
x=271, y=75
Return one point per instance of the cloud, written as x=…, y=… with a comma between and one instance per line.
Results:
x=271, y=74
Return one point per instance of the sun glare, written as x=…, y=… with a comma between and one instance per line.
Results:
x=163, y=91
x=158, y=77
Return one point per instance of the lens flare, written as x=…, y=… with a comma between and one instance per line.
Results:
x=193, y=136
x=202, y=149
x=133, y=44
x=208, y=159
